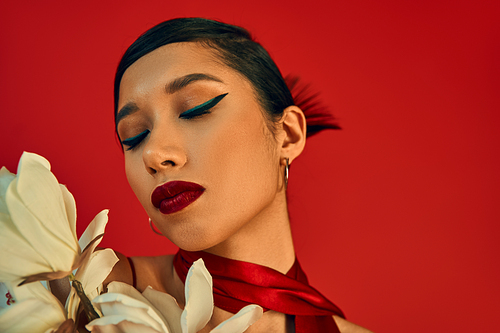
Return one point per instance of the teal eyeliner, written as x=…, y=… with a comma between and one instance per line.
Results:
x=202, y=108
x=135, y=140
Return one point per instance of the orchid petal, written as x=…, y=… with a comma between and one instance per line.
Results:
x=40, y=192
x=17, y=297
x=19, y=259
x=113, y=303
x=31, y=315
x=94, y=229
x=35, y=290
x=199, y=298
x=39, y=236
x=6, y=177
x=167, y=305
x=128, y=290
x=119, y=324
x=97, y=270
x=240, y=321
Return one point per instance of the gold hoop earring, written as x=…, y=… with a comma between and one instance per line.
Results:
x=153, y=228
x=287, y=170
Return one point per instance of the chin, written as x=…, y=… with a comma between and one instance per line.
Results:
x=193, y=245
x=190, y=239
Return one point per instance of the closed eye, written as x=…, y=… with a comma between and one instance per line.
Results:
x=135, y=140
x=202, y=108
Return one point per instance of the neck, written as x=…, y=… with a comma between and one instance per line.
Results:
x=266, y=240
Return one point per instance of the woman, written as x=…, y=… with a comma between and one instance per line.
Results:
x=209, y=128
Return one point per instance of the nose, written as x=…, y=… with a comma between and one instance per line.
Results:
x=162, y=154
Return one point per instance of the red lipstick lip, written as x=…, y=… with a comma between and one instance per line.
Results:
x=173, y=196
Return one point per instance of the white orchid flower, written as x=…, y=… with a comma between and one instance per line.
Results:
x=32, y=308
x=127, y=310
x=38, y=235
x=29, y=308
x=37, y=224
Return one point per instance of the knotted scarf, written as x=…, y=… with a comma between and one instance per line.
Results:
x=239, y=283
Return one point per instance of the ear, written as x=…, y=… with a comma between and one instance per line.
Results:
x=294, y=128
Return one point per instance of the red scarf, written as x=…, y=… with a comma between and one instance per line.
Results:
x=239, y=283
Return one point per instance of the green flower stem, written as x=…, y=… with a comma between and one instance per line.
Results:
x=87, y=305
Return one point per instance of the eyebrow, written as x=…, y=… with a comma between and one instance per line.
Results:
x=170, y=88
x=185, y=80
x=125, y=111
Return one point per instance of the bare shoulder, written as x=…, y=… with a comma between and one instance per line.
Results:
x=146, y=271
x=153, y=271
x=121, y=272
x=348, y=327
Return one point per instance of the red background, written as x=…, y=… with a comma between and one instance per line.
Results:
x=395, y=218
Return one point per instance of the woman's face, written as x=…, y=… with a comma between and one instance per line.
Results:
x=186, y=117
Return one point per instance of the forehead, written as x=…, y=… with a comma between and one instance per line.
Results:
x=159, y=67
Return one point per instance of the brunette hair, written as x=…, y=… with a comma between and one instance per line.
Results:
x=237, y=49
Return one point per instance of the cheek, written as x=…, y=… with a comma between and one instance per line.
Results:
x=136, y=176
x=244, y=163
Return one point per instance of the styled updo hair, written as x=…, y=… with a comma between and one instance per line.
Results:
x=236, y=48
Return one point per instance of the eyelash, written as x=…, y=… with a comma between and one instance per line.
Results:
x=195, y=112
x=135, y=140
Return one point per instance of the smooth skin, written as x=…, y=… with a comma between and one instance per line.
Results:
x=230, y=151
